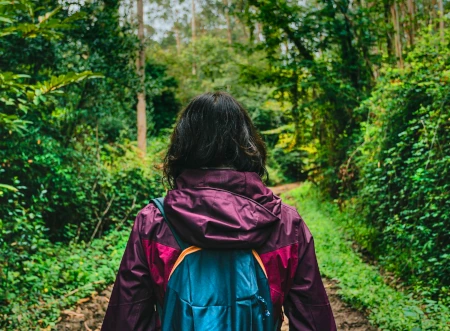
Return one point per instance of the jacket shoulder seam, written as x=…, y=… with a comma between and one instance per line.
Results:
x=143, y=217
x=289, y=207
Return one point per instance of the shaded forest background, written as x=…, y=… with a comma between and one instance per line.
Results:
x=352, y=96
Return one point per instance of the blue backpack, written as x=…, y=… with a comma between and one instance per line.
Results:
x=212, y=289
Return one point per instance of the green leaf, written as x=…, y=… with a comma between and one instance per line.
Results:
x=8, y=187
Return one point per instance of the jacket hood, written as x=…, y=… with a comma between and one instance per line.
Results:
x=222, y=208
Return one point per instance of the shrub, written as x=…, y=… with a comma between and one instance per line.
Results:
x=404, y=165
x=360, y=284
x=80, y=199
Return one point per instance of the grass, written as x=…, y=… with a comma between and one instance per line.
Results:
x=59, y=275
x=360, y=284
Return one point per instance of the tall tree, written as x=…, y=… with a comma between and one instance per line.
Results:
x=441, y=17
x=227, y=17
x=412, y=26
x=387, y=17
x=397, y=34
x=194, y=65
x=141, y=105
x=176, y=28
x=324, y=72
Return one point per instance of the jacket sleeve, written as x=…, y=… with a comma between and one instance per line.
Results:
x=306, y=305
x=132, y=302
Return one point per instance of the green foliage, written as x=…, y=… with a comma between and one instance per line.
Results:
x=78, y=200
x=286, y=166
x=323, y=70
x=404, y=169
x=47, y=26
x=240, y=71
x=41, y=283
x=69, y=171
x=304, y=70
x=361, y=285
x=210, y=64
x=80, y=185
x=161, y=98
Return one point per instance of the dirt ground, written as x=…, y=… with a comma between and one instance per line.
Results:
x=277, y=190
x=88, y=314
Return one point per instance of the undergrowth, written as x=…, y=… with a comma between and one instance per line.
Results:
x=360, y=284
x=59, y=275
x=40, y=276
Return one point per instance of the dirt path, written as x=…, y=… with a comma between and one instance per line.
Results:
x=88, y=314
x=284, y=188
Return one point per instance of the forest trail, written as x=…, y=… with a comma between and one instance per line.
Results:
x=88, y=314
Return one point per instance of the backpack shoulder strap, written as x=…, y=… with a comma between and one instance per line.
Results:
x=159, y=203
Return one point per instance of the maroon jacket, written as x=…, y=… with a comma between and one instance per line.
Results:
x=220, y=208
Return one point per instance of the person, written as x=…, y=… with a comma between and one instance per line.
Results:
x=215, y=165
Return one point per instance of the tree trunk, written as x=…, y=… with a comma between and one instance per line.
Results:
x=193, y=19
x=243, y=29
x=177, y=37
x=194, y=65
x=389, y=38
x=397, y=37
x=260, y=31
x=433, y=11
x=441, y=18
x=412, y=24
x=227, y=16
x=141, y=115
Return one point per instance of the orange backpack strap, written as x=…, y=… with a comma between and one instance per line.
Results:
x=183, y=254
x=258, y=259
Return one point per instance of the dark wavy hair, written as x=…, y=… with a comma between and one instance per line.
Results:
x=214, y=130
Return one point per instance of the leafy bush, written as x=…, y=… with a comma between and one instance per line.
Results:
x=404, y=165
x=82, y=189
x=161, y=98
x=41, y=282
x=361, y=285
x=69, y=173
x=76, y=202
